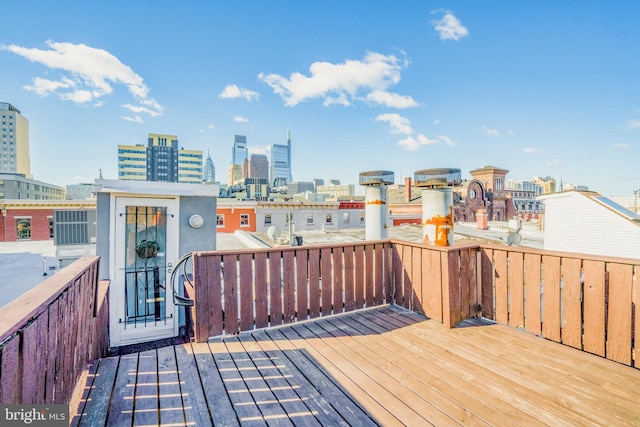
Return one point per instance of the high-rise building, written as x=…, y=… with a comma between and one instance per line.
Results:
x=258, y=167
x=240, y=151
x=281, y=162
x=161, y=160
x=209, y=170
x=14, y=144
x=547, y=183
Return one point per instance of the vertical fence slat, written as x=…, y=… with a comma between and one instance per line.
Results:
x=378, y=279
x=407, y=280
x=349, y=297
x=275, y=288
x=262, y=295
x=516, y=289
x=325, y=293
x=338, y=281
x=314, y=283
x=533, y=322
x=359, y=266
x=551, y=282
x=230, y=275
x=11, y=380
x=450, y=262
x=619, y=313
x=464, y=283
x=486, y=297
x=571, y=302
x=289, y=286
x=52, y=340
x=302, y=285
x=502, y=289
x=416, y=280
x=388, y=272
x=398, y=274
x=594, y=309
x=29, y=378
x=368, y=275
x=636, y=315
x=246, y=292
x=432, y=288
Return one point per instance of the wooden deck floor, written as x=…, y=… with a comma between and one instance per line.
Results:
x=383, y=366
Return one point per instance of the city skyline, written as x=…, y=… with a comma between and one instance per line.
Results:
x=549, y=90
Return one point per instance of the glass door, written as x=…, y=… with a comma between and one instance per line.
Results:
x=144, y=250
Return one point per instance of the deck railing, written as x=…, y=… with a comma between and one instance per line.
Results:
x=586, y=302
x=48, y=335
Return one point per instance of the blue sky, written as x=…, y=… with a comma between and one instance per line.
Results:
x=538, y=88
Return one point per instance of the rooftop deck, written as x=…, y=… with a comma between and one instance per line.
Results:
x=384, y=365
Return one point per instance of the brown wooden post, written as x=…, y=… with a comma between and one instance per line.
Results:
x=450, y=288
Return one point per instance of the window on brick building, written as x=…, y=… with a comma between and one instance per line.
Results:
x=23, y=228
x=220, y=220
x=244, y=220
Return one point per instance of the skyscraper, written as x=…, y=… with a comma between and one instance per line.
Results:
x=161, y=160
x=209, y=170
x=240, y=152
x=258, y=166
x=281, y=162
x=14, y=144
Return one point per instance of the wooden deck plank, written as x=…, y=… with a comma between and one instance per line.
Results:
x=146, y=394
x=96, y=408
x=556, y=392
x=169, y=391
x=324, y=395
x=84, y=395
x=451, y=384
x=384, y=365
x=251, y=374
x=388, y=408
x=220, y=406
x=424, y=400
x=241, y=400
x=194, y=400
x=121, y=410
x=278, y=380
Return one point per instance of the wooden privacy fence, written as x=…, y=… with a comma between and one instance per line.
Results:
x=240, y=291
x=589, y=303
x=586, y=302
x=48, y=335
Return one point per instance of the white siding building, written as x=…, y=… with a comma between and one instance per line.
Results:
x=588, y=223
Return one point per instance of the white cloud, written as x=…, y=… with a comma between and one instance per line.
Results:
x=511, y=133
x=343, y=83
x=446, y=140
x=397, y=123
x=634, y=124
x=436, y=122
x=412, y=144
x=392, y=100
x=622, y=145
x=240, y=119
x=211, y=126
x=491, y=132
x=233, y=92
x=450, y=28
x=529, y=150
x=89, y=73
x=135, y=119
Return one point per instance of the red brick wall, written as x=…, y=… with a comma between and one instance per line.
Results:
x=39, y=223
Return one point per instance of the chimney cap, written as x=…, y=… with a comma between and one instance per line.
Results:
x=376, y=178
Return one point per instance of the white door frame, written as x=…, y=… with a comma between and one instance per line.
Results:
x=119, y=333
